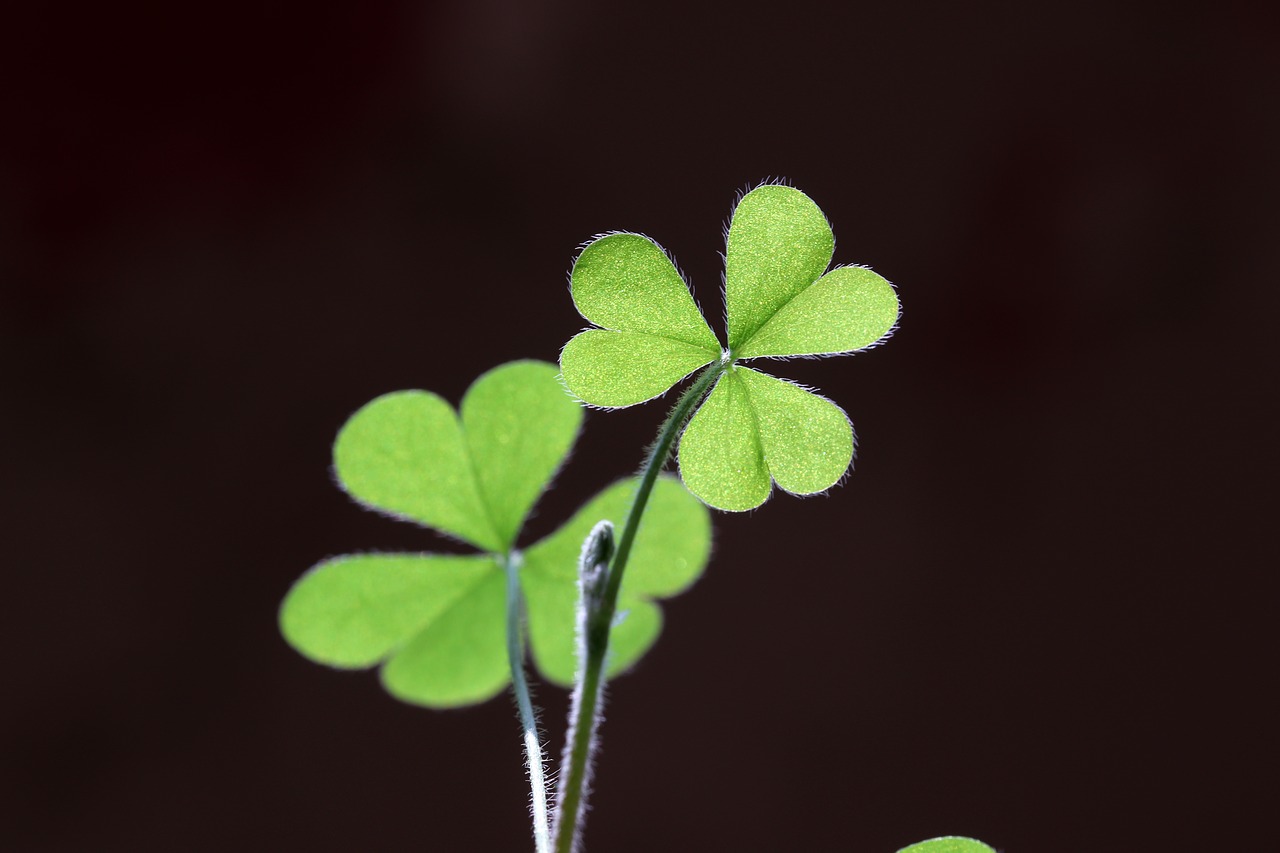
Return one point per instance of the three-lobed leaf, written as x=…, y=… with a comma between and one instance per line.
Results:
x=753, y=430
x=949, y=844
x=435, y=622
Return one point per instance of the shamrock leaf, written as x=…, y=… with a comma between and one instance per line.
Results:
x=948, y=844
x=653, y=334
x=753, y=430
x=436, y=622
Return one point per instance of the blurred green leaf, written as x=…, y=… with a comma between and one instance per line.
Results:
x=616, y=369
x=519, y=426
x=807, y=439
x=404, y=454
x=779, y=243
x=408, y=454
x=651, y=333
x=357, y=610
x=436, y=623
x=848, y=309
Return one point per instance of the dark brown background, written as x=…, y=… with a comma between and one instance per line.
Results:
x=1036, y=613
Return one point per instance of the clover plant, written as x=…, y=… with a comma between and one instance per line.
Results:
x=454, y=629
x=781, y=303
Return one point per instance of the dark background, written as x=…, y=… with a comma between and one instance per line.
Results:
x=1039, y=611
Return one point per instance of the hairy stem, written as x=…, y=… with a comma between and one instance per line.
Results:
x=593, y=570
x=528, y=719
x=584, y=716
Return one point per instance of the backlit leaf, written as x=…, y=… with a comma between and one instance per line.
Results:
x=428, y=614
x=779, y=244
x=616, y=369
x=552, y=628
x=807, y=440
x=519, y=425
x=627, y=283
x=461, y=657
x=948, y=844
x=437, y=623
x=847, y=309
x=721, y=459
x=669, y=553
x=404, y=453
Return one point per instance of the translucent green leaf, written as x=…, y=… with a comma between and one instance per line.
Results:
x=672, y=545
x=551, y=604
x=616, y=369
x=847, y=309
x=948, y=844
x=436, y=617
x=437, y=622
x=404, y=453
x=519, y=425
x=779, y=244
x=807, y=439
x=460, y=658
x=627, y=283
x=670, y=551
x=721, y=459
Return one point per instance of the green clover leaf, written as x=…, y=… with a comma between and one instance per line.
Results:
x=753, y=430
x=948, y=844
x=436, y=622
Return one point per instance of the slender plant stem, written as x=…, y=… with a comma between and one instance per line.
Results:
x=528, y=720
x=575, y=770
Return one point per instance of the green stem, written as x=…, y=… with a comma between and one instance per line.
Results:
x=575, y=770
x=528, y=720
